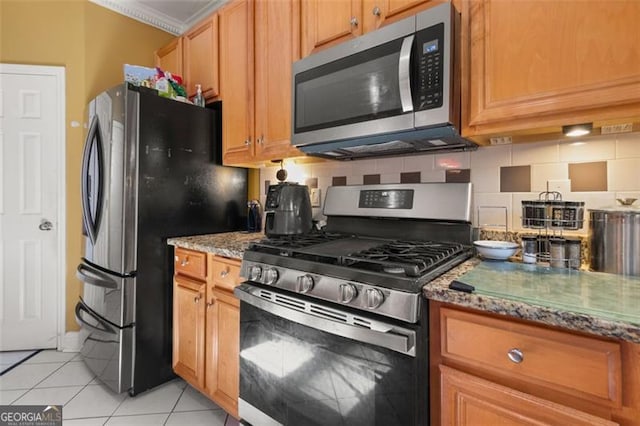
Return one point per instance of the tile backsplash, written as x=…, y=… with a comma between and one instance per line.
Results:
x=596, y=170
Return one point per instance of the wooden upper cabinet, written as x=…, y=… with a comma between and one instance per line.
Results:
x=327, y=23
x=277, y=46
x=236, y=74
x=376, y=13
x=201, y=58
x=535, y=64
x=169, y=57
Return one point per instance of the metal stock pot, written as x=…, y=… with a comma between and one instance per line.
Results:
x=614, y=237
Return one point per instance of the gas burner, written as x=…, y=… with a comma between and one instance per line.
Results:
x=393, y=270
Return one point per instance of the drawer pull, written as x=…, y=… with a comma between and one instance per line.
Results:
x=224, y=273
x=515, y=355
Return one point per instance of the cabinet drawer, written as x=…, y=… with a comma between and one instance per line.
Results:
x=581, y=366
x=190, y=263
x=225, y=273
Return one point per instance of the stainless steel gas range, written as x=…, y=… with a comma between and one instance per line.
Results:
x=333, y=326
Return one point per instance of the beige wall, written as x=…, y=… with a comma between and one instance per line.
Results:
x=92, y=43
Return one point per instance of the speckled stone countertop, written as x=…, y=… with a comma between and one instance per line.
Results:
x=228, y=244
x=592, y=302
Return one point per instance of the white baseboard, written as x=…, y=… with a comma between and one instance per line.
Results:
x=71, y=342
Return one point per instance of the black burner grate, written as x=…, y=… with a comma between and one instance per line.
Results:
x=398, y=258
x=412, y=258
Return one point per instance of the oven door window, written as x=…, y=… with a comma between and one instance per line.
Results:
x=299, y=375
x=358, y=88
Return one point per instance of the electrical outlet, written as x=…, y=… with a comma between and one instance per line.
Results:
x=315, y=197
x=562, y=186
x=500, y=140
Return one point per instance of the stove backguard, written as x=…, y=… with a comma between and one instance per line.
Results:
x=402, y=229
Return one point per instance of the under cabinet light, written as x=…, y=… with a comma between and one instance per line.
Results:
x=576, y=130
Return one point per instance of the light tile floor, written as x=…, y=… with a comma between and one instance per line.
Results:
x=61, y=378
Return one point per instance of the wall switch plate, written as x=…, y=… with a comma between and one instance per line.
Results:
x=315, y=197
x=562, y=186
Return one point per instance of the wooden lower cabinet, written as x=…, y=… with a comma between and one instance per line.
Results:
x=470, y=400
x=487, y=369
x=188, y=329
x=206, y=327
x=222, y=352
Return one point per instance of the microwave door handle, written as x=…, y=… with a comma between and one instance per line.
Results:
x=404, y=74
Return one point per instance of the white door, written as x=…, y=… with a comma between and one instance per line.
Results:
x=31, y=205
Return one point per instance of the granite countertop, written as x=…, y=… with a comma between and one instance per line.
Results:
x=228, y=244
x=603, y=304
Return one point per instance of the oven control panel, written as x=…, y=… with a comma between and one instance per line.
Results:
x=386, y=199
x=383, y=301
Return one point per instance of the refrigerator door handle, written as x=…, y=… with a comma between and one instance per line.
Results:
x=106, y=327
x=95, y=277
x=94, y=138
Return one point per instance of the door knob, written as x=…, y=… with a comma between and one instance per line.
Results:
x=45, y=225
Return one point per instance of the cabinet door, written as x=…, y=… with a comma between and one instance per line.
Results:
x=201, y=58
x=188, y=330
x=469, y=400
x=327, y=23
x=376, y=13
x=277, y=26
x=236, y=74
x=535, y=64
x=223, y=343
x=169, y=57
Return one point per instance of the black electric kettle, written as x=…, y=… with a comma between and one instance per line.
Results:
x=254, y=216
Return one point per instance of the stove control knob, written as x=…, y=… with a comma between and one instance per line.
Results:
x=374, y=298
x=255, y=272
x=305, y=283
x=270, y=276
x=348, y=292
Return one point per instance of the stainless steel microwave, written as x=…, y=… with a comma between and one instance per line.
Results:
x=390, y=92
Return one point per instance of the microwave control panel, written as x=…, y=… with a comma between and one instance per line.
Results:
x=429, y=55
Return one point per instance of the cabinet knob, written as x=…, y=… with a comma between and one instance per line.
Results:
x=260, y=140
x=185, y=261
x=210, y=304
x=224, y=273
x=376, y=11
x=515, y=355
x=354, y=21
x=247, y=142
x=197, y=298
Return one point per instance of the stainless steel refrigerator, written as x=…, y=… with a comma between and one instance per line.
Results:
x=150, y=171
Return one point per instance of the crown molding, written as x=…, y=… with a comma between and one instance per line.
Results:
x=150, y=16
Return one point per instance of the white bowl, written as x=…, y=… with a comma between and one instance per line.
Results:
x=496, y=250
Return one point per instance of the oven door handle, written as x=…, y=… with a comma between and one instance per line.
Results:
x=386, y=335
